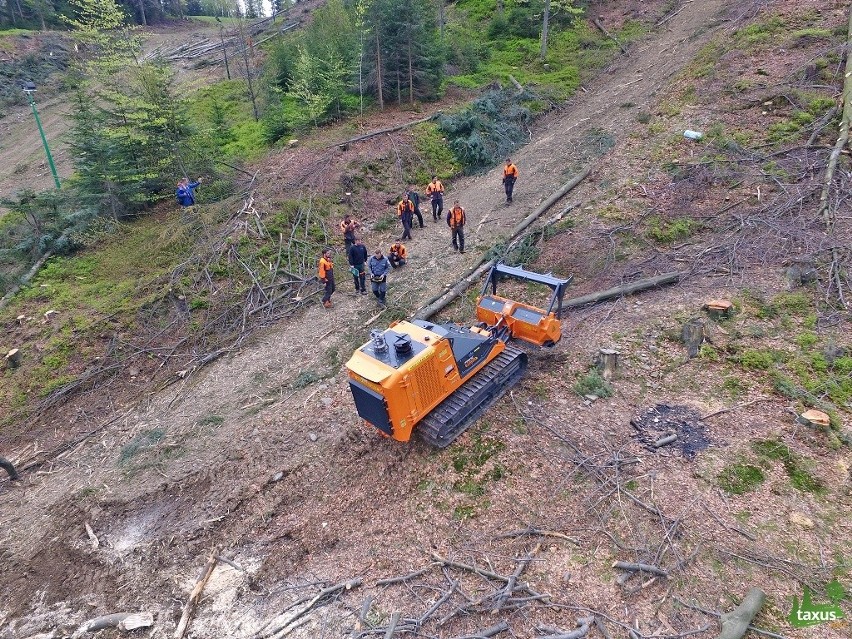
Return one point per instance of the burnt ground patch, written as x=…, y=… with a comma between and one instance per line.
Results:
x=662, y=421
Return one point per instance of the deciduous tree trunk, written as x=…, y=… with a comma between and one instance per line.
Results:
x=379, y=78
x=545, y=22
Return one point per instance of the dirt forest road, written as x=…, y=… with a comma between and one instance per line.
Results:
x=261, y=455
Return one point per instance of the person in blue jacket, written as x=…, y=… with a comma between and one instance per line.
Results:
x=185, y=192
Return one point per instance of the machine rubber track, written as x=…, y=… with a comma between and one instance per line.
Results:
x=455, y=414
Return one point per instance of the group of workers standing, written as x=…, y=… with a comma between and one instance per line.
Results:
x=377, y=266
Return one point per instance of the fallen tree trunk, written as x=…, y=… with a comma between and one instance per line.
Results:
x=442, y=300
x=654, y=570
x=392, y=129
x=598, y=24
x=627, y=289
x=843, y=138
x=736, y=622
x=195, y=595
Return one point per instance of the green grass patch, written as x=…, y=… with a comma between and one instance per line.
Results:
x=759, y=33
x=143, y=440
x=800, y=477
x=593, y=384
x=488, y=47
x=211, y=420
x=305, y=379
x=790, y=129
x=9, y=33
x=215, y=19
x=740, y=478
x=669, y=231
x=759, y=359
x=434, y=157
x=734, y=387
x=222, y=112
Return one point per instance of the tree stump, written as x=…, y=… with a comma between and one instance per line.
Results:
x=719, y=309
x=799, y=274
x=13, y=358
x=815, y=418
x=606, y=362
x=693, y=336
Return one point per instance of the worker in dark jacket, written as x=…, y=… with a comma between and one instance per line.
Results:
x=325, y=272
x=456, y=220
x=405, y=213
x=358, y=261
x=397, y=255
x=510, y=175
x=414, y=196
x=185, y=192
x=378, y=265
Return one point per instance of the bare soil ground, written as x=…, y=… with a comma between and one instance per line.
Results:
x=252, y=459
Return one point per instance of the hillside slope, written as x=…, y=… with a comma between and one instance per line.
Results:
x=259, y=456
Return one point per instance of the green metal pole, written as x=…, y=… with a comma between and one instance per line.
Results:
x=44, y=141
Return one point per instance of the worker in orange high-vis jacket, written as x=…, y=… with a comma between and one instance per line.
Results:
x=397, y=255
x=326, y=276
x=510, y=175
x=456, y=220
x=435, y=191
x=405, y=213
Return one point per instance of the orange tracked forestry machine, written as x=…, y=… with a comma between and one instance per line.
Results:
x=441, y=377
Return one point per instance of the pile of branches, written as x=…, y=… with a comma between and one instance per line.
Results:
x=489, y=129
x=209, y=304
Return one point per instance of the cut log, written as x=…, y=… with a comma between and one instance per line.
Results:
x=517, y=84
x=120, y=620
x=815, y=418
x=693, y=336
x=606, y=362
x=736, y=622
x=138, y=620
x=392, y=626
x=719, y=309
x=6, y=465
x=392, y=129
x=13, y=358
x=665, y=441
x=627, y=289
x=654, y=570
x=444, y=299
x=493, y=631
